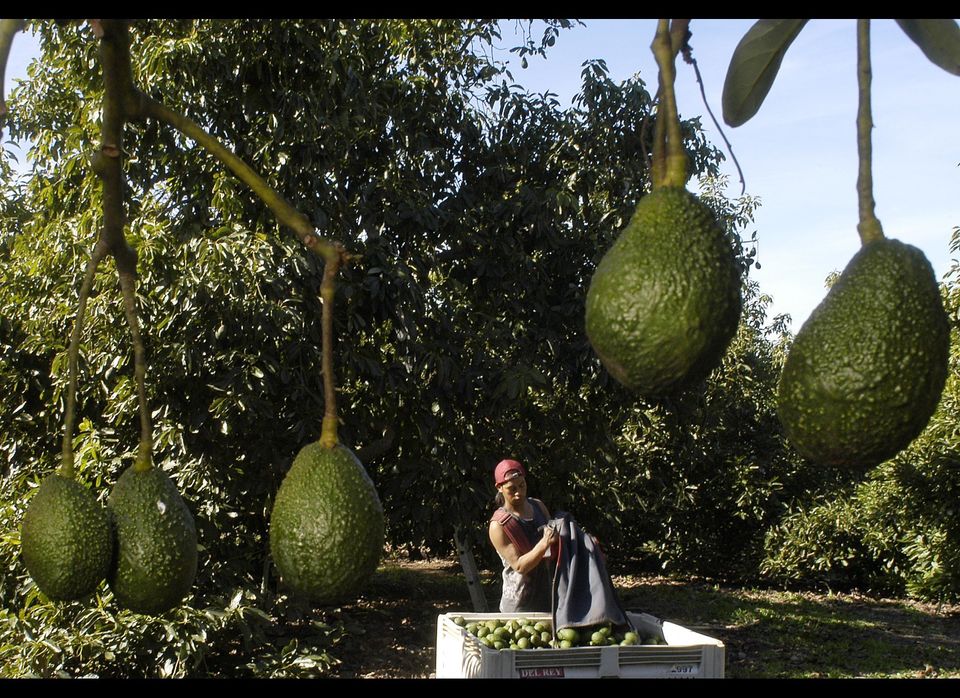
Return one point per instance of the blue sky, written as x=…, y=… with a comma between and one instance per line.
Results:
x=798, y=153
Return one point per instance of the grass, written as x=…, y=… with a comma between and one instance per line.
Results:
x=777, y=634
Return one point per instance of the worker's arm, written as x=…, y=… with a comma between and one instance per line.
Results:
x=526, y=563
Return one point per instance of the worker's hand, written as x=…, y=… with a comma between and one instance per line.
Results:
x=549, y=535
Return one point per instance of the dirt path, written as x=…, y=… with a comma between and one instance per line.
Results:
x=392, y=629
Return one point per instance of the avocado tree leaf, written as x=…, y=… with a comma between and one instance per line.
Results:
x=754, y=67
x=939, y=39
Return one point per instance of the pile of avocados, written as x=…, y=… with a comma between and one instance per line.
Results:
x=532, y=634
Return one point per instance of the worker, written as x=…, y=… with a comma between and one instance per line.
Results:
x=519, y=532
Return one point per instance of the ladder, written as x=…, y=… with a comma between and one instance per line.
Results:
x=469, y=565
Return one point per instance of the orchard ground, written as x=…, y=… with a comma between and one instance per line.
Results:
x=390, y=632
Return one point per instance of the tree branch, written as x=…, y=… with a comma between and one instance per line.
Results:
x=117, y=79
x=333, y=253
x=679, y=35
x=115, y=62
x=285, y=213
x=8, y=27
x=124, y=101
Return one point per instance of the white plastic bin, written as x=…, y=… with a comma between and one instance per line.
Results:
x=687, y=654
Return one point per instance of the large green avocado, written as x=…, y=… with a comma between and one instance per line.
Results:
x=156, y=559
x=65, y=539
x=327, y=526
x=866, y=370
x=665, y=300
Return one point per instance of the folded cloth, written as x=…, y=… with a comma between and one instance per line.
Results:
x=583, y=591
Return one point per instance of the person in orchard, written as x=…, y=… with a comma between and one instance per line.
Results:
x=519, y=532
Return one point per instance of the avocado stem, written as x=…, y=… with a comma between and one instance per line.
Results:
x=670, y=162
x=328, y=288
x=869, y=226
x=100, y=251
x=128, y=286
x=658, y=162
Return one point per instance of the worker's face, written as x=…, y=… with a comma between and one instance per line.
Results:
x=515, y=490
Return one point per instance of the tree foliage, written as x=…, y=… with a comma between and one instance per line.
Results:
x=479, y=211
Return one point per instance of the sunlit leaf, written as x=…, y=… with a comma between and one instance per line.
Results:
x=754, y=67
x=939, y=39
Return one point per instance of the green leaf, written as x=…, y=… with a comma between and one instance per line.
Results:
x=754, y=66
x=939, y=39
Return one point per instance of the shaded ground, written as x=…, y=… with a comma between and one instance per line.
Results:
x=774, y=634
x=391, y=630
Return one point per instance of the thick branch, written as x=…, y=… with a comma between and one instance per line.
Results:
x=8, y=27
x=679, y=35
x=869, y=226
x=117, y=78
x=285, y=213
x=115, y=61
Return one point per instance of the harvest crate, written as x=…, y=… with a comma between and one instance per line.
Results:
x=686, y=655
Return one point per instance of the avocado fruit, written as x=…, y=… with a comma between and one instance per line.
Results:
x=665, y=300
x=327, y=525
x=865, y=372
x=156, y=550
x=65, y=539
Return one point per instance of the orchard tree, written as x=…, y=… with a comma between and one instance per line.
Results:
x=474, y=213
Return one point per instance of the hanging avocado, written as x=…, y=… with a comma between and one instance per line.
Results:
x=665, y=300
x=327, y=524
x=65, y=539
x=866, y=370
x=156, y=557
